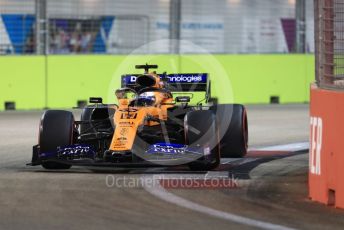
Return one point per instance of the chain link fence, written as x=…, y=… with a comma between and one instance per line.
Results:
x=121, y=26
x=17, y=21
x=329, y=41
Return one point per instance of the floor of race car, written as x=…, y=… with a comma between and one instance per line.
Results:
x=267, y=189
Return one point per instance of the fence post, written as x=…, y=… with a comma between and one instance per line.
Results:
x=300, y=15
x=175, y=19
x=41, y=32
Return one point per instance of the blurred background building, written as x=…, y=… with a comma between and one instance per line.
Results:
x=121, y=26
x=56, y=54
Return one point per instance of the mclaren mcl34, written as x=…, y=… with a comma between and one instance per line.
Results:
x=154, y=123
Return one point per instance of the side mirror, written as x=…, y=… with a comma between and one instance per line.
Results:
x=183, y=99
x=96, y=100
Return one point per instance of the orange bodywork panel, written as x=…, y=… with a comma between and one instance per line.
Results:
x=127, y=119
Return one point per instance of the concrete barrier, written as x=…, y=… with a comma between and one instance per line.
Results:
x=326, y=158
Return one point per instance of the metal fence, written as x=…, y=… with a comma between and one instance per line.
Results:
x=123, y=26
x=17, y=21
x=329, y=41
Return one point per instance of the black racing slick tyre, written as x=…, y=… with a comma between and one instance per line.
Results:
x=233, y=129
x=57, y=129
x=201, y=132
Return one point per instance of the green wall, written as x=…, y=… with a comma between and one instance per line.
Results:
x=235, y=78
x=22, y=80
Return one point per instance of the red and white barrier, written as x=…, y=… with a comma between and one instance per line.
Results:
x=326, y=153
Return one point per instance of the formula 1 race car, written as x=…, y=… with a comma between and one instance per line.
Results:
x=154, y=124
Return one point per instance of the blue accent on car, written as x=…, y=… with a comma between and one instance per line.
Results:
x=129, y=79
x=47, y=155
x=186, y=78
x=71, y=152
x=167, y=148
x=79, y=151
x=172, y=145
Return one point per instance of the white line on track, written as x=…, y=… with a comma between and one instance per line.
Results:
x=237, y=161
x=293, y=147
x=230, y=160
x=158, y=191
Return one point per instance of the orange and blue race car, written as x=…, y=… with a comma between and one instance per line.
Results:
x=154, y=123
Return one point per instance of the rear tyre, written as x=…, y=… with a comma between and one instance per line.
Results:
x=57, y=129
x=233, y=129
x=201, y=131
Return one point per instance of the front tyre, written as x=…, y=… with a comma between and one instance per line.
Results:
x=233, y=129
x=201, y=132
x=56, y=129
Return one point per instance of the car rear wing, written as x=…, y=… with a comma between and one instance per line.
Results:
x=176, y=83
x=185, y=82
